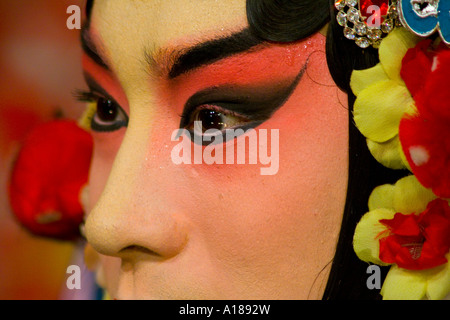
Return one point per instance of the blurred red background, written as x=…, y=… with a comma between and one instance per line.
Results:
x=40, y=63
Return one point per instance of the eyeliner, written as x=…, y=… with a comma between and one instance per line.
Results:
x=256, y=103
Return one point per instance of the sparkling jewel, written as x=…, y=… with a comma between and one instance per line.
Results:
x=374, y=34
x=362, y=42
x=352, y=15
x=349, y=33
x=387, y=26
x=351, y=3
x=361, y=28
x=366, y=10
x=341, y=18
x=393, y=11
x=339, y=4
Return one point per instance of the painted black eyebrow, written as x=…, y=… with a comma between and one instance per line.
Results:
x=212, y=51
x=199, y=55
x=89, y=48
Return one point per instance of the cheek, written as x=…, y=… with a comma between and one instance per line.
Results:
x=240, y=213
x=106, y=146
x=246, y=224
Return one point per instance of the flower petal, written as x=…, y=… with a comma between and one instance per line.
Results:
x=392, y=50
x=378, y=116
x=382, y=197
x=401, y=284
x=426, y=144
x=439, y=281
x=388, y=153
x=365, y=242
x=361, y=79
x=51, y=169
x=410, y=196
x=416, y=66
x=86, y=118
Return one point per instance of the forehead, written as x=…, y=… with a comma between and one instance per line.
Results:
x=167, y=20
x=124, y=28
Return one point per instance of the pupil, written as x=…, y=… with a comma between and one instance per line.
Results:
x=106, y=110
x=211, y=120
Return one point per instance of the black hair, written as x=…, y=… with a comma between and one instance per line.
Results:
x=291, y=20
x=88, y=8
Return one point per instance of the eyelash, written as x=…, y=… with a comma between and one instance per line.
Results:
x=228, y=110
x=95, y=122
x=188, y=117
x=233, y=120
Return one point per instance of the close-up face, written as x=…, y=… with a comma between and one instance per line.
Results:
x=197, y=229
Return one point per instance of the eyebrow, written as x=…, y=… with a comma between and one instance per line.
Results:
x=177, y=62
x=212, y=51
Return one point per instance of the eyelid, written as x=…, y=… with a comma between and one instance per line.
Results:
x=97, y=89
x=95, y=92
x=256, y=103
x=241, y=120
x=87, y=95
x=218, y=107
x=92, y=97
x=189, y=112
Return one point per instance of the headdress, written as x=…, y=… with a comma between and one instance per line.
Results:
x=402, y=107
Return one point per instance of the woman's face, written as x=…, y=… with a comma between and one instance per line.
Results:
x=195, y=230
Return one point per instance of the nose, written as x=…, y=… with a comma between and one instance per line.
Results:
x=131, y=217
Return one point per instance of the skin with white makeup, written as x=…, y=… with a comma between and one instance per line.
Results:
x=210, y=231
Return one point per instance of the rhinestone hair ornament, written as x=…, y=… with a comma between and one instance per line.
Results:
x=367, y=22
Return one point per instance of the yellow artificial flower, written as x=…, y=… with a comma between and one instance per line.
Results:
x=382, y=99
x=86, y=118
x=406, y=196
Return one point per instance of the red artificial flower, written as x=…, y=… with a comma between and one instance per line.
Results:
x=416, y=66
x=425, y=136
x=418, y=242
x=48, y=175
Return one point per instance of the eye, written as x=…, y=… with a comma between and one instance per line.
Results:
x=231, y=110
x=108, y=115
x=213, y=117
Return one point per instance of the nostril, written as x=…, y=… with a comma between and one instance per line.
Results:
x=138, y=249
x=142, y=234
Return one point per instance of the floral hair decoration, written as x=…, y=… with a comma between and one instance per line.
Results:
x=402, y=107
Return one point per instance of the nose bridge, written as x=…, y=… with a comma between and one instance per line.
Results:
x=130, y=214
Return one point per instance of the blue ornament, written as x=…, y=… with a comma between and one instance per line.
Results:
x=424, y=17
x=444, y=20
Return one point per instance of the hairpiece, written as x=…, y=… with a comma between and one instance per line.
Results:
x=367, y=22
x=407, y=126
x=424, y=17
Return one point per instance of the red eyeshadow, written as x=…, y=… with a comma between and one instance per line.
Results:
x=106, y=81
x=263, y=66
